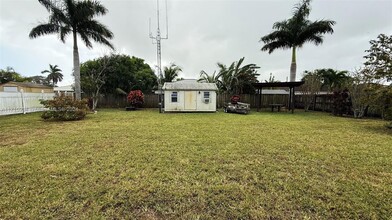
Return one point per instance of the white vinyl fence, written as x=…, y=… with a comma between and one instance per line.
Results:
x=22, y=102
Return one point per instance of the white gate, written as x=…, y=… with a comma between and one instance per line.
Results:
x=21, y=102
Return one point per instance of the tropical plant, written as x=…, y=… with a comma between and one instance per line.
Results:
x=332, y=79
x=75, y=18
x=171, y=72
x=295, y=32
x=206, y=78
x=237, y=79
x=54, y=75
x=8, y=74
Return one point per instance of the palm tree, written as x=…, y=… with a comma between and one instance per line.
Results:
x=54, y=74
x=171, y=72
x=76, y=18
x=236, y=77
x=296, y=31
x=332, y=79
x=206, y=78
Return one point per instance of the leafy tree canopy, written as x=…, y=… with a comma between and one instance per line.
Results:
x=122, y=71
x=379, y=60
x=8, y=74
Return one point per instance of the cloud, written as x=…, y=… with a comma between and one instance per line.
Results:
x=201, y=33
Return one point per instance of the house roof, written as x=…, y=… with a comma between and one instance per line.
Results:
x=189, y=84
x=278, y=84
x=27, y=84
x=274, y=92
x=68, y=88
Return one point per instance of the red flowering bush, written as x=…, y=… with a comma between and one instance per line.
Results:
x=136, y=98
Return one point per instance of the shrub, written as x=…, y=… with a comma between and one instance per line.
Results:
x=64, y=108
x=341, y=104
x=136, y=98
x=388, y=117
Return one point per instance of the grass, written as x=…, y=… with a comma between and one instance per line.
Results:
x=143, y=164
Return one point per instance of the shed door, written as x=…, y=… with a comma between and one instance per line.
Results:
x=190, y=100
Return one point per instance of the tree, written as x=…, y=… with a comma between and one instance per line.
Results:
x=295, y=32
x=206, y=78
x=171, y=72
x=271, y=79
x=94, y=77
x=38, y=80
x=332, y=79
x=118, y=71
x=8, y=74
x=360, y=92
x=379, y=60
x=235, y=79
x=54, y=75
x=76, y=18
x=310, y=88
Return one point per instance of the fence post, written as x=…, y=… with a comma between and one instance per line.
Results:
x=23, y=101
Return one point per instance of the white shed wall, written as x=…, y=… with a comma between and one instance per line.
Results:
x=180, y=105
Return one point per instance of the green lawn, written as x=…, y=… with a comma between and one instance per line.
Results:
x=142, y=164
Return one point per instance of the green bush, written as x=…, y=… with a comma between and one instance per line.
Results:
x=64, y=108
x=388, y=117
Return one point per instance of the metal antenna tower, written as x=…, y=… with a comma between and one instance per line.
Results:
x=157, y=40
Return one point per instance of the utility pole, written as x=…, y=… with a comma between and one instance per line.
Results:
x=157, y=40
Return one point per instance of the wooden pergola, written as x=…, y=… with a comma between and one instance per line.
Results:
x=291, y=85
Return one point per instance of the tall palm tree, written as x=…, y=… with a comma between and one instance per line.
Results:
x=54, y=75
x=75, y=18
x=171, y=72
x=295, y=31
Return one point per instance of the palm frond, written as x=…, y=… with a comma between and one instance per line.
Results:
x=276, y=45
x=44, y=29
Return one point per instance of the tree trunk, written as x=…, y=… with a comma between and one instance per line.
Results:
x=76, y=72
x=293, y=67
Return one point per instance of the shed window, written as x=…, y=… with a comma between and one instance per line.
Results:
x=10, y=89
x=174, y=97
x=206, y=95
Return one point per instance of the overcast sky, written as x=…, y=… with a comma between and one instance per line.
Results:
x=201, y=33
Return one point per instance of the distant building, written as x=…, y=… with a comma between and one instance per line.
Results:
x=189, y=96
x=66, y=90
x=26, y=87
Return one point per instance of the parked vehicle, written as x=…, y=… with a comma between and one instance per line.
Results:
x=236, y=107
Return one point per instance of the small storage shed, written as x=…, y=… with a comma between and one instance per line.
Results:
x=25, y=87
x=189, y=96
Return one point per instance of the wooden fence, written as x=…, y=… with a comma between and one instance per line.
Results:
x=322, y=102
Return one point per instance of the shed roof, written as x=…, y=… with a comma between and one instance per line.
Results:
x=27, y=84
x=189, y=84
